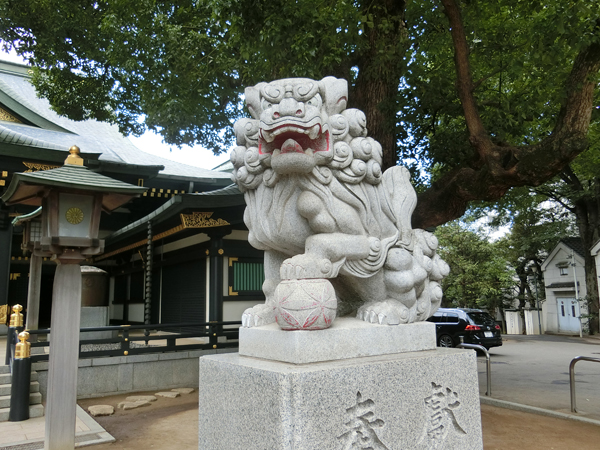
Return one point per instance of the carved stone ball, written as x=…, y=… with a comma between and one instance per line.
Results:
x=308, y=304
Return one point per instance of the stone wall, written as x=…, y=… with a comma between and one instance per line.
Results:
x=98, y=377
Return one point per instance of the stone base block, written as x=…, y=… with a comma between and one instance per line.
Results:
x=347, y=338
x=93, y=317
x=416, y=400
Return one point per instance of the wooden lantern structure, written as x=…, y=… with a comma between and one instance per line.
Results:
x=72, y=199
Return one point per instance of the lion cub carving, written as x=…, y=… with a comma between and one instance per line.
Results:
x=319, y=205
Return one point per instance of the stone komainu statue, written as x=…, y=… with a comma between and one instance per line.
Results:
x=320, y=207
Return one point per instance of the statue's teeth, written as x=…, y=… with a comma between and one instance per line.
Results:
x=267, y=136
x=313, y=133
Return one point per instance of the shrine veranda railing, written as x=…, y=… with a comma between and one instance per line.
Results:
x=142, y=339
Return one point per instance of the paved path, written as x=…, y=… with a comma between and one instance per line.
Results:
x=29, y=434
x=534, y=370
x=527, y=370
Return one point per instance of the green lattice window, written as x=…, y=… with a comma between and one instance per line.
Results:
x=246, y=276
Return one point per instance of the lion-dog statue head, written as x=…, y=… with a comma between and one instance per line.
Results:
x=319, y=205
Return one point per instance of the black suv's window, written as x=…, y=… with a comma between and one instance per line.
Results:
x=481, y=318
x=451, y=318
x=435, y=319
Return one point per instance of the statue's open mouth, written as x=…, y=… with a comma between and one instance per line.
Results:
x=291, y=138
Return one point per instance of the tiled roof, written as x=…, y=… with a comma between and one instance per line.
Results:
x=566, y=284
x=232, y=189
x=225, y=197
x=25, y=187
x=576, y=244
x=78, y=177
x=55, y=132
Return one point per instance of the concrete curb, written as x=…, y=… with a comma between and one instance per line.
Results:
x=95, y=435
x=535, y=410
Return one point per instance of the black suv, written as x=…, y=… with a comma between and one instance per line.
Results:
x=477, y=327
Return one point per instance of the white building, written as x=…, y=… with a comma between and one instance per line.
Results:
x=564, y=276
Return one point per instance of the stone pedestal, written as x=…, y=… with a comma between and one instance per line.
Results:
x=347, y=338
x=419, y=399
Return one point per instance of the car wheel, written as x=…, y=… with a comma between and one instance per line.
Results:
x=445, y=341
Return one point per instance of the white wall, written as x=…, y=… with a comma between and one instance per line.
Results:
x=561, y=256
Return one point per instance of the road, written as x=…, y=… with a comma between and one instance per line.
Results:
x=534, y=371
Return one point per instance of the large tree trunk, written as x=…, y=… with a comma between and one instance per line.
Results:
x=591, y=286
x=588, y=223
x=371, y=97
x=377, y=82
x=524, y=294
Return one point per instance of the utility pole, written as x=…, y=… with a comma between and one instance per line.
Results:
x=573, y=264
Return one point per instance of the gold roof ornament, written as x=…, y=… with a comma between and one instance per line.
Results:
x=16, y=318
x=8, y=117
x=74, y=159
x=23, y=348
x=3, y=314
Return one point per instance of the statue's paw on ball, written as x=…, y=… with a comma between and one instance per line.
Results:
x=258, y=315
x=306, y=266
x=305, y=304
x=389, y=312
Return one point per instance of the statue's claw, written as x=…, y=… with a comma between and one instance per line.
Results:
x=389, y=312
x=258, y=315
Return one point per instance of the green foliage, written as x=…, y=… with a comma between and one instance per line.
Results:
x=536, y=227
x=480, y=276
x=537, y=223
x=521, y=53
x=179, y=67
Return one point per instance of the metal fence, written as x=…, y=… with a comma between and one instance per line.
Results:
x=139, y=339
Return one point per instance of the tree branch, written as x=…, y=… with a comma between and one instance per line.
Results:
x=558, y=199
x=478, y=136
x=504, y=167
x=481, y=80
x=571, y=178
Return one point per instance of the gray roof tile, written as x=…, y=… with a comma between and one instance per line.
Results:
x=575, y=243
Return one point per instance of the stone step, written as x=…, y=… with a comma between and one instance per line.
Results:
x=6, y=370
x=34, y=411
x=35, y=398
x=33, y=387
x=5, y=378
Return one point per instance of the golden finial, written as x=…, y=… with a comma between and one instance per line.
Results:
x=16, y=318
x=23, y=348
x=74, y=159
